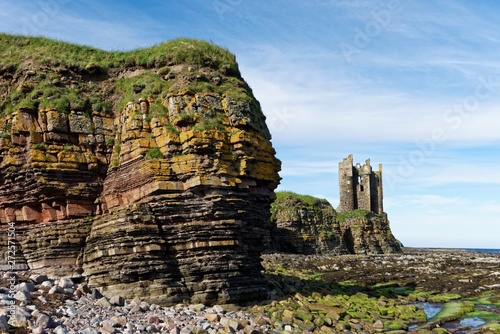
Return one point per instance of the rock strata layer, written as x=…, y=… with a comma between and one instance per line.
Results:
x=308, y=225
x=152, y=178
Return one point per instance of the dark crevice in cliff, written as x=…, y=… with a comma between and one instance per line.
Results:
x=348, y=241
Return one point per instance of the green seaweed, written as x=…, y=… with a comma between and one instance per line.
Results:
x=392, y=288
x=485, y=315
x=443, y=297
x=492, y=327
x=487, y=298
x=454, y=310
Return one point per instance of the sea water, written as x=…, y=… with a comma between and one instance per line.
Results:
x=483, y=250
x=431, y=309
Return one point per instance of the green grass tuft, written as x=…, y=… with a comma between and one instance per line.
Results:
x=18, y=49
x=154, y=153
x=309, y=200
x=358, y=213
x=44, y=63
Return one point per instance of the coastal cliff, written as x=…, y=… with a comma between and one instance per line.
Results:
x=304, y=224
x=307, y=225
x=365, y=232
x=149, y=173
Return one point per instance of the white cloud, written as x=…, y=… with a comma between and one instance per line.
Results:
x=426, y=200
x=294, y=168
x=490, y=207
x=329, y=102
x=395, y=92
x=464, y=173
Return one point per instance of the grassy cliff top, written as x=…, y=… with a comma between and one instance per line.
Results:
x=282, y=196
x=18, y=50
x=38, y=73
x=287, y=203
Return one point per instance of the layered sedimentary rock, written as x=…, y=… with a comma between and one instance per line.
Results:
x=148, y=178
x=308, y=225
x=304, y=225
x=365, y=232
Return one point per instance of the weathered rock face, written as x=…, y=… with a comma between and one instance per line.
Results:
x=159, y=188
x=308, y=225
x=365, y=232
x=304, y=225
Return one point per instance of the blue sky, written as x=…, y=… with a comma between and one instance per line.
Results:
x=414, y=85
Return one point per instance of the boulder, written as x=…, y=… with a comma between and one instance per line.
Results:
x=117, y=301
x=66, y=283
x=104, y=302
x=22, y=296
x=4, y=326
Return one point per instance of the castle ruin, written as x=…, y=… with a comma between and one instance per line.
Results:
x=360, y=187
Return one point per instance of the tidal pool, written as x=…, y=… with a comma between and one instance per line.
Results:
x=472, y=322
x=431, y=309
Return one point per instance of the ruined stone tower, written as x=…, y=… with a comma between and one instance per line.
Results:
x=360, y=187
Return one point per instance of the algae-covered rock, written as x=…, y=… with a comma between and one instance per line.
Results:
x=453, y=310
x=493, y=328
x=392, y=325
x=439, y=330
x=444, y=297
x=340, y=312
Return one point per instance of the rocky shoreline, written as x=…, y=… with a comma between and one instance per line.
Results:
x=442, y=270
x=316, y=294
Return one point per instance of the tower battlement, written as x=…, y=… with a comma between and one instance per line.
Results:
x=360, y=187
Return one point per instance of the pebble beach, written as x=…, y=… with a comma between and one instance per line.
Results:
x=308, y=294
